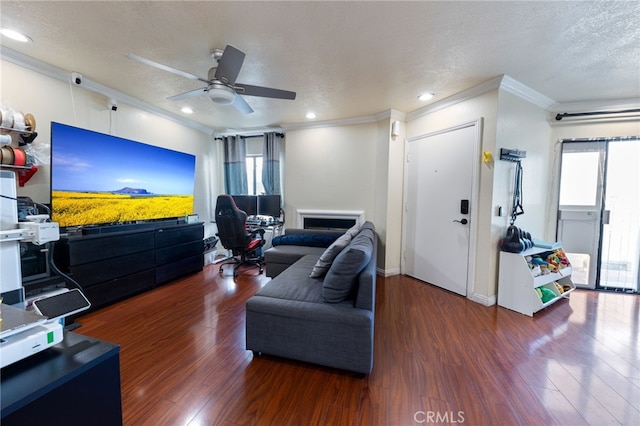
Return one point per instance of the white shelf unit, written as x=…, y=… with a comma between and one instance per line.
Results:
x=517, y=284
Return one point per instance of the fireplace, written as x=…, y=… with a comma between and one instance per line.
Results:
x=329, y=219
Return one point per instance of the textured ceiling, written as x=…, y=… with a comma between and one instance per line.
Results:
x=344, y=59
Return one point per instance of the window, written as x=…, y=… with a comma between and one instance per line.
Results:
x=579, y=178
x=254, y=175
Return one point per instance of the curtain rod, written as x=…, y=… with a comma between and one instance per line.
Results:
x=581, y=114
x=609, y=139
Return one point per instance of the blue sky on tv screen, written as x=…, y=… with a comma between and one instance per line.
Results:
x=83, y=160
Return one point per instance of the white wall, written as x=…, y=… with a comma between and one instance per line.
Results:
x=49, y=99
x=330, y=168
x=524, y=126
x=389, y=194
x=350, y=167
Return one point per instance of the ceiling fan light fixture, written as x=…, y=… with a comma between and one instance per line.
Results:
x=221, y=94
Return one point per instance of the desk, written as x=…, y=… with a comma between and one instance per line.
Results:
x=269, y=233
x=76, y=382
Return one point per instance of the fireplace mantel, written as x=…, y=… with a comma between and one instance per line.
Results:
x=337, y=215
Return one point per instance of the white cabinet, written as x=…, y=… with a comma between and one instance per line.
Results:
x=517, y=282
x=10, y=236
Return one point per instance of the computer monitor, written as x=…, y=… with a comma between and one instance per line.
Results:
x=269, y=205
x=247, y=203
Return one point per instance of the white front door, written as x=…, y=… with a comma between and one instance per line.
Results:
x=439, y=206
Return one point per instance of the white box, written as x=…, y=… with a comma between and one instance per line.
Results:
x=210, y=257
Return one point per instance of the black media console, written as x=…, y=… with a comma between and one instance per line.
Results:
x=113, y=265
x=76, y=382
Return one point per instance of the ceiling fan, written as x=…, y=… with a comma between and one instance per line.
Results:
x=221, y=83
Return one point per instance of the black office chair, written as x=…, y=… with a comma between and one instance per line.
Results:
x=245, y=244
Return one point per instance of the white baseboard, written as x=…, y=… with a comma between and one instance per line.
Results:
x=483, y=300
x=388, y=272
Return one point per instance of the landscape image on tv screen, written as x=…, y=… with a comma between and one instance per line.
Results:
x=99, y=179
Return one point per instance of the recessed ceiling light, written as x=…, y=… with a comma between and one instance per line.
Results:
x=15, y=35
x=426, y=96
x=187, y=110
x=311, y=115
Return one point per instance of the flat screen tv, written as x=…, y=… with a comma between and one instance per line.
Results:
x=99, y=179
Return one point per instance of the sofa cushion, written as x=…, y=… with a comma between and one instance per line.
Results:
x=309, y=240
x=288, y=254
x=353, y=231
x=294, y=283
x=322, y=265
x=339, y=283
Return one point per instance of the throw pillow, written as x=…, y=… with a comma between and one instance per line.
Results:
x=310, y=240
x=322, y=265
x=353, y=231
x=339, y=282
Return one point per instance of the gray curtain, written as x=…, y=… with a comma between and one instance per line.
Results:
x=235, y=167
x=271, y=162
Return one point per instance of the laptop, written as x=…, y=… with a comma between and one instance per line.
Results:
x=16, y=320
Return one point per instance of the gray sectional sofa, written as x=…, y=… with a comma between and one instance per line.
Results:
x=319, y=307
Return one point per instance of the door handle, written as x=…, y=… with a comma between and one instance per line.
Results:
x=462, y=221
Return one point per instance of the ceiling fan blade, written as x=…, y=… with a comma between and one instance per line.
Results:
x=165, y=67
x=265, y=92
x=189, y=94
x=241, y=105
x=229, y=65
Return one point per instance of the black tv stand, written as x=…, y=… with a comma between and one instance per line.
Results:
x=111, y=266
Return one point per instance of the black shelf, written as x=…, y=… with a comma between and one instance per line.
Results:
x=111, y=266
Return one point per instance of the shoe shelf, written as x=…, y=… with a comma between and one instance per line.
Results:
x=528, y=282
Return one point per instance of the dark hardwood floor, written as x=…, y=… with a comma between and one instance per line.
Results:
x=439, y=358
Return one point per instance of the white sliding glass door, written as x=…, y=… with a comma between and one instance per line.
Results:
x=599, y=212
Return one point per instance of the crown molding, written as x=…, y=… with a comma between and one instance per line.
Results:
x=528, y=94
x=500, y=82
x=330, y=123
x=38, y=66
x=459, y=97
x=391, y=114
